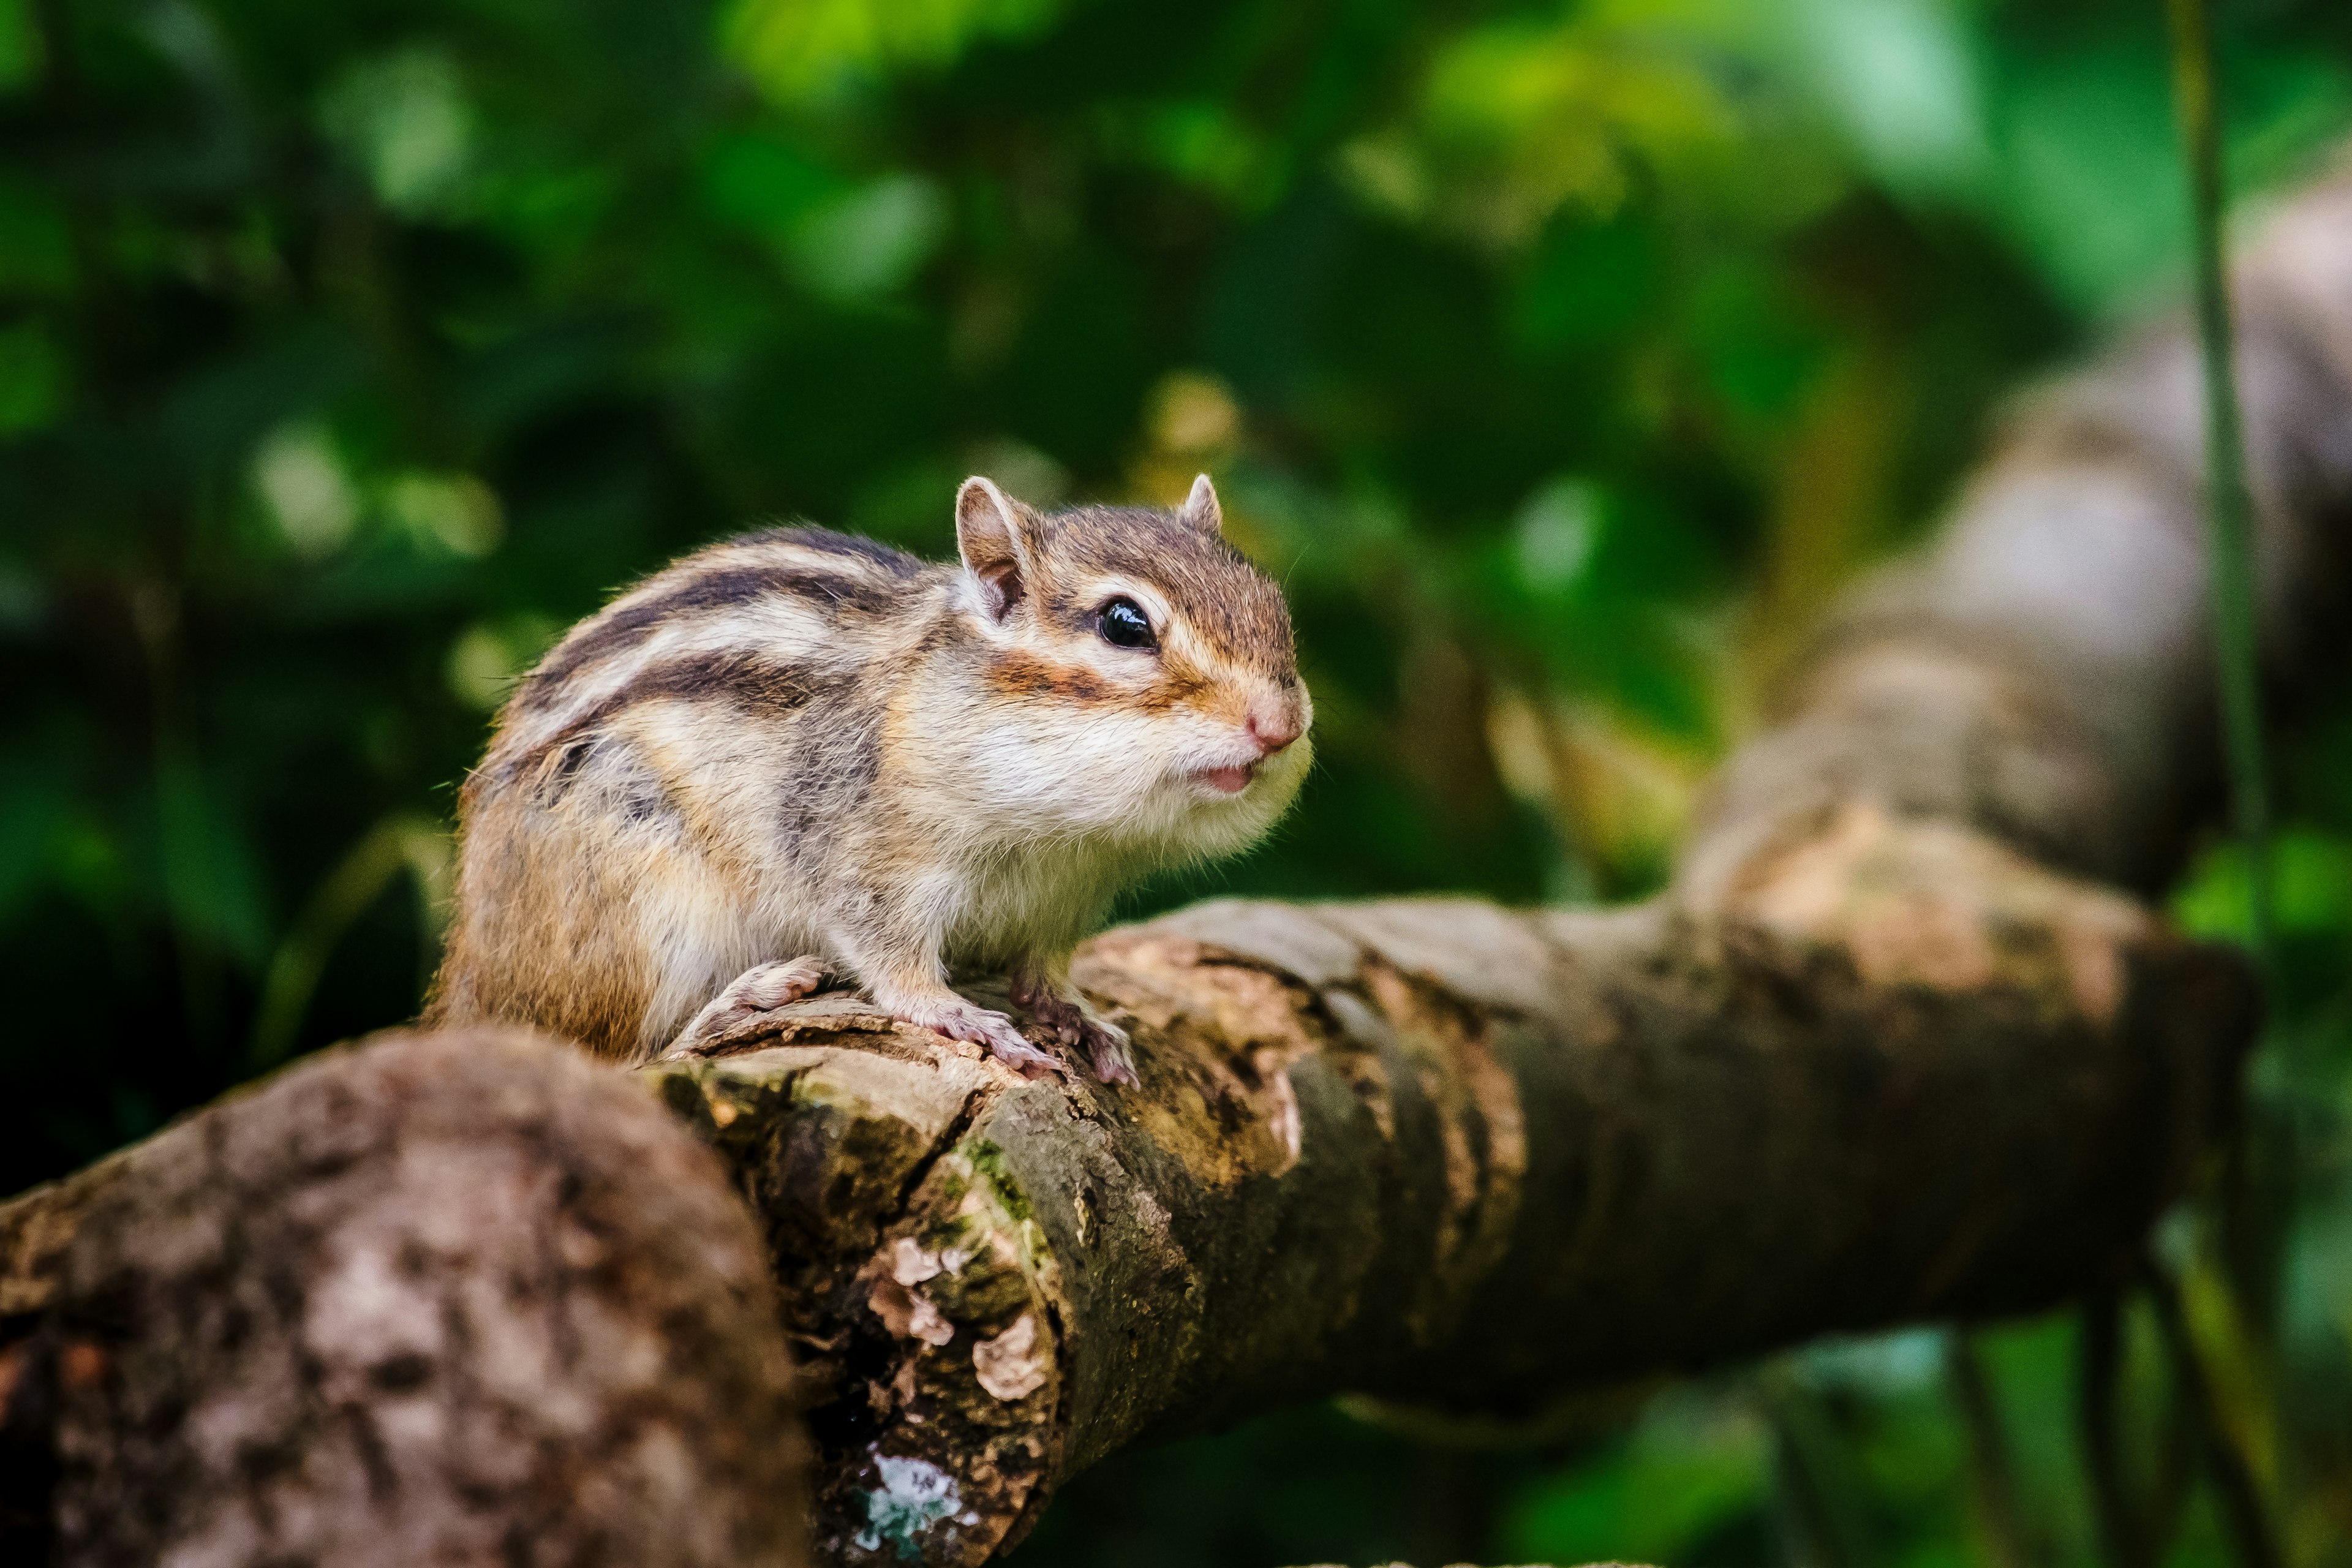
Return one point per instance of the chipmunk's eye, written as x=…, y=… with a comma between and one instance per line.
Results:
x=1123, y=624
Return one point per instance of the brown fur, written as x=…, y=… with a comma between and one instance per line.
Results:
x=800, y=741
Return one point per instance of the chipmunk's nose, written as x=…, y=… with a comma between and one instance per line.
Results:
x=1275, y=725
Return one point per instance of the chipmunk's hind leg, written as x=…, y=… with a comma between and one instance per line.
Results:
x=760, y=989
x=1042, y=990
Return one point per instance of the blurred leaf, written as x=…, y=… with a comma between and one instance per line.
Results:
x=801, y=51
x=1557, y=530
x=23, y=605
x=1589, y=283
x=869, y=240
x=302, y=480
x=1906, y=1362
x=2092, y=182
x=1573, y=114
x=211, y=881
x=33, y=378
x=844, y=240
x=1203, y=143
x=404, y=119
x=2310, y=877
x=455, y=512
x=21, y=54
x=217, y=412
x=33, y=814
x=36, y=249
x=2089, y=179
x=487, y=658
x=764, y=184
x=1689, y=1467
x=401, y=841
x=1900, y=77
x=1754, y=345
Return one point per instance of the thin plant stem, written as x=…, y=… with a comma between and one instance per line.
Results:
x=2098, y=1367
x=2175, y=1458
x=2135, y=1531
x=2275, y=1136
x=2242, y=1513
x=2229, y=507
x=1992, y=1475
x=1820, y=1508
x=399, y=841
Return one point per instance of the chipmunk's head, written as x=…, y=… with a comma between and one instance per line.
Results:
x=1138, y=671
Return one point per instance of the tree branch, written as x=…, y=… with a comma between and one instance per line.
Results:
x=1447, y=1155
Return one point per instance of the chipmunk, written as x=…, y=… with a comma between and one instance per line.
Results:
x=798, y=754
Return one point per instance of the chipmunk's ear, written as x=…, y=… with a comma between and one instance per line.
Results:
x=1201, y=509
x=993, y=536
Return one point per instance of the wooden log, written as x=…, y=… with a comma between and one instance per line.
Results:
x=452, y=1297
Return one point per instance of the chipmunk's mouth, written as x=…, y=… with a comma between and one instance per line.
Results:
x=1228, y=780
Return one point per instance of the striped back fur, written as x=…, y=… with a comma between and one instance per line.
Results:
x=797, y=742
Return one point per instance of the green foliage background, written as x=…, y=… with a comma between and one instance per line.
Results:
x=1560, y=358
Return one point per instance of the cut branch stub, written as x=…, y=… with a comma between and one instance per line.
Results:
x=463, y=1296
x=1443, y=1154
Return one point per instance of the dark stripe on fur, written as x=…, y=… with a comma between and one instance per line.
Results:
x=1021, y=674
x=1173, y=690
x=726, y=587
x=741, y=678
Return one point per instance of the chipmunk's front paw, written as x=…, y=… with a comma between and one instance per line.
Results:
x=961, y=1020
x=1065, y=1015
x=760, y=989
x=1108, y=1050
